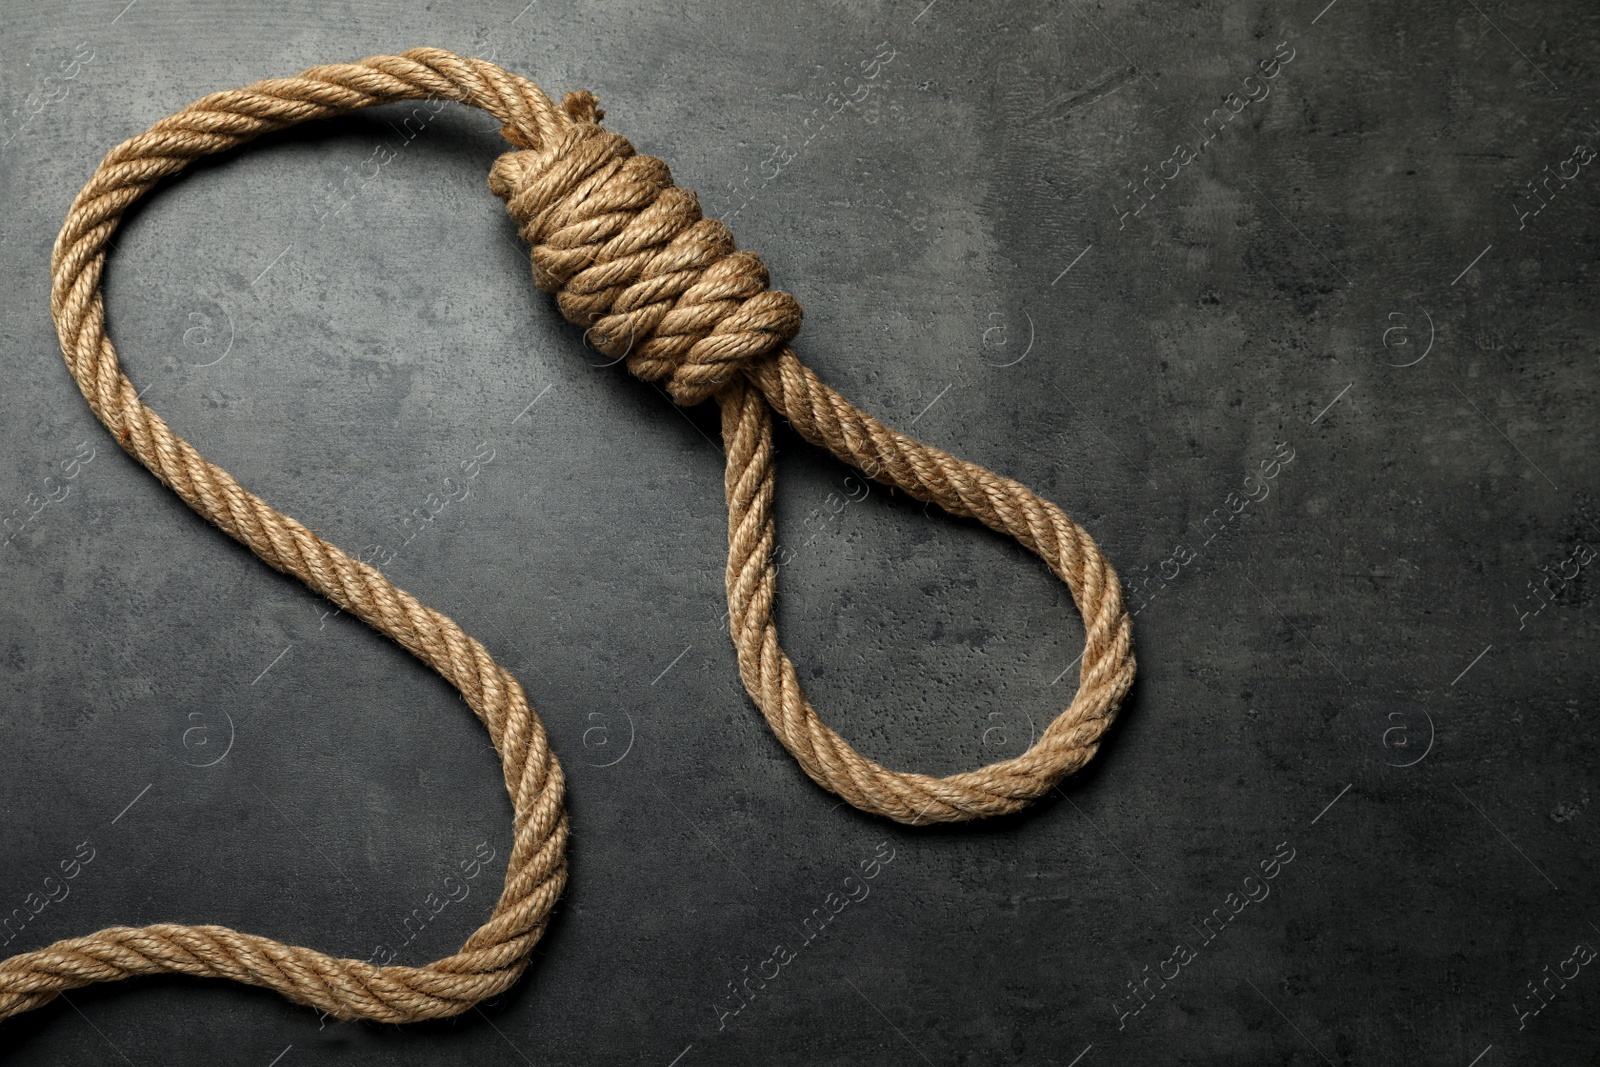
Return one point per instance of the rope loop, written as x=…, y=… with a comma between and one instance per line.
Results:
x=630, y=257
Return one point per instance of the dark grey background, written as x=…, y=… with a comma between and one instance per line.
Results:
x=1347, y=672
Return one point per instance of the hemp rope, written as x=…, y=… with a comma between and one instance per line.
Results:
x=629, y=256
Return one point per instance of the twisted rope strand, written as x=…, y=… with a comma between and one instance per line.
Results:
x=496, y=954
x=628, y=255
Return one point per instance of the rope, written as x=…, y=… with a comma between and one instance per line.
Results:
x=629, y=256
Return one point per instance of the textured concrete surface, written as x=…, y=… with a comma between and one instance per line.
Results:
x=1312, y=368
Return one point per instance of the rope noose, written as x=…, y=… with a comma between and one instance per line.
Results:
x=629, y=256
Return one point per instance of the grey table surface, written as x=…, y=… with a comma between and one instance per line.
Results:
x=1316, y=369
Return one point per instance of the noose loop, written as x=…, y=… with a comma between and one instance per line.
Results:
x=629, y=256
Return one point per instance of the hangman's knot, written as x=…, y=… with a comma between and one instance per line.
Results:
x=630, y=258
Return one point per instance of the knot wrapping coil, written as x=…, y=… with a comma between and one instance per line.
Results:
x=629, y=258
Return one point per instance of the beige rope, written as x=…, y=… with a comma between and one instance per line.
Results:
x=628, y=255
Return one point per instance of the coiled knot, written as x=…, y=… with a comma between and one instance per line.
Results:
x=629, y=256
